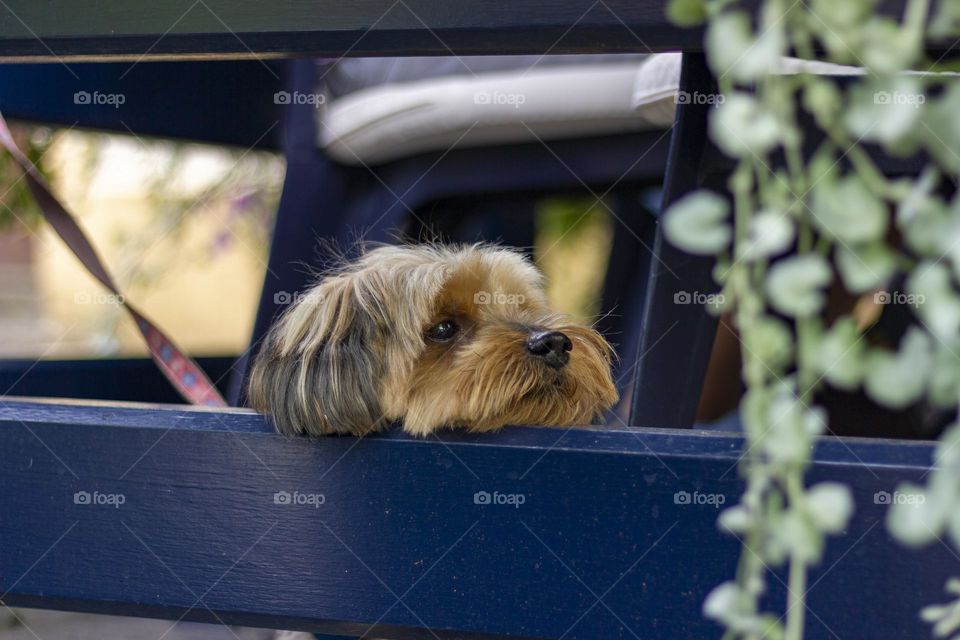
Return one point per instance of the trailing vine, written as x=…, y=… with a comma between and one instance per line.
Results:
x=796, y=225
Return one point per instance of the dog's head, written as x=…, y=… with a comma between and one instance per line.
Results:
x=433, y=336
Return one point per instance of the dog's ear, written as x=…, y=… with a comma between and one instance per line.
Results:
x=320, y=367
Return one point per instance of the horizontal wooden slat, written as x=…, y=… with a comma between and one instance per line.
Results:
x=228, y=28
x=136, y=379
x=189, y=525
x=235, y=107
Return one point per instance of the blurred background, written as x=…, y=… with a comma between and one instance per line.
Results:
x=185, y=230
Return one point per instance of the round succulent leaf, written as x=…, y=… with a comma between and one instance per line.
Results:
x=915, y=518
x=935, y=299
x=887, y=48
x=932, y=230
x=795, y=285
x=742, y=127
x=823, y=99
x=736, y=520
x=698, y=223
x=770, y=233
x=898, y=380
x=723, y=601
x=798, y=534
x=829, y=505
x=734, y=51
x=945, y=22
x=865, y=267
x=839, y=354
x=770, y=341
x=848, y=210
x=887, y=111
x=941, y=133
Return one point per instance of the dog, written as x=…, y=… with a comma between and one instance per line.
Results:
x=435, y=336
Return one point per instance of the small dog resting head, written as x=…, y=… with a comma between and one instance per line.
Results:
x=434, y=336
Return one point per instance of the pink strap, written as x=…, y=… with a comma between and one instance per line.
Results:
x=182, y=372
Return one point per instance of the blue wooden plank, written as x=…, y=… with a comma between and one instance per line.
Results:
x=132, y=379
x=320, y=28
x=583, y=534
x=235, y=107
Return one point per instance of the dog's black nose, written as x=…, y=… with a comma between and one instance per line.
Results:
x=552, y=346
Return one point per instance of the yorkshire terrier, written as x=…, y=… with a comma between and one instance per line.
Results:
x=433, y=336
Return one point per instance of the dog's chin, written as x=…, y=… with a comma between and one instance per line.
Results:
x=557, y=401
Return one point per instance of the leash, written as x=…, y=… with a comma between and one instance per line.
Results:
x=181, y=370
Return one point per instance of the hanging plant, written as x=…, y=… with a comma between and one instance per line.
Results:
x=797, y=224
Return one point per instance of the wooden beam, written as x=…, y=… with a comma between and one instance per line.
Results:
x=174, y=512
x=121, y=29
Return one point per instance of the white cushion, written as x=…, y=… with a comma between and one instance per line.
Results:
x=391, y=121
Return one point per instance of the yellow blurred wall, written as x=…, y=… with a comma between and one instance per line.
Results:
x=206, y=305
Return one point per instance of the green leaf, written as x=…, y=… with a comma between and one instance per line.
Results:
x=935, y=299
x=797, y=534
x=697, y=223
x=898, y=380
x=733, y=51
x=887, y=48
x=848, y=210
x=770, y=341
x=824, y=101
x=742, y=127
x=837, y=355
x=915, y=518
x=790, y=427
x=770, y=233
x=944, y=389
x=736, y=520
x=687, y=13
x=932, y=230
x=722, y=601
x=941, y=130
x=830, y=506
x=948, y=449
x=887, y=111
x=838, y=26
x=946, y=20
x=795, y=285
x=841, y=15
x=865, y=267
x=919, y=199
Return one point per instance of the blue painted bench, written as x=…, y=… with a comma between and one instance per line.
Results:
x=164, y=511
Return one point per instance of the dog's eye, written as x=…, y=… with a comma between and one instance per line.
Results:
x=443, y=331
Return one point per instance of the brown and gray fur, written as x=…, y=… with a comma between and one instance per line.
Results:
x=359, y=351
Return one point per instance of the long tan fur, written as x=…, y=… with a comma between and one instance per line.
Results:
x=355, y=353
